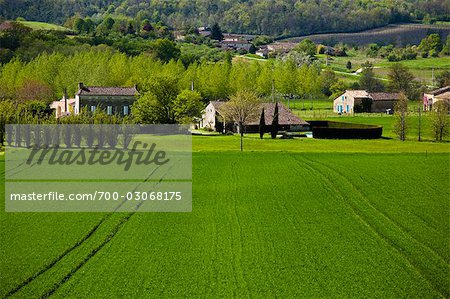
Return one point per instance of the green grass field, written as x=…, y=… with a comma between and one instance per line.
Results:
x=43, y=26
x=421, y=68
x=286, y=218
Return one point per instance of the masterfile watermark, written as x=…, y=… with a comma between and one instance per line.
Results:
x=55, y=155
x=48, y=166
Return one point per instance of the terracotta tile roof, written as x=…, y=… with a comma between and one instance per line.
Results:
x=439, y=91
x=444, y=96
x=384, y=96
x=107, y=91
x=285, y=116
x=357, y=93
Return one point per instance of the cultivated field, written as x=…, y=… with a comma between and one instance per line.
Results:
x=309, y=218
x=400, y=35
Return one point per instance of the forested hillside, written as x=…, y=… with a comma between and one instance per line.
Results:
x=280, y=17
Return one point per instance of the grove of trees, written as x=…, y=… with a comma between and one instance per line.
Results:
x=283, y=17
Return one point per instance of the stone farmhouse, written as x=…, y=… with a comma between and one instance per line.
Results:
x=355, y=101
x=236, y=45
x=114, y=100
x=213, y=119
x=430, y=98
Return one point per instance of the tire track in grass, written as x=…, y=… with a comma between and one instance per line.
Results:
x=237, y=253
x=57, y=259
x=82, y=241
x=111, y=235
x=428, y=224
x=377, y=229
x=109, y=238
x=383, y=214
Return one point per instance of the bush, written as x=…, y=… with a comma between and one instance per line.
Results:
x=242, y=52
x=434, y=53
x=321, y=49
x=393, y=57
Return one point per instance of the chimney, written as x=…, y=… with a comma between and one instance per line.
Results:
x=80, y=85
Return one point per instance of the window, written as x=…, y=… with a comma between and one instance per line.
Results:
x=125, y=110
x=93, y=108
x=348, y=108
x=109, y=110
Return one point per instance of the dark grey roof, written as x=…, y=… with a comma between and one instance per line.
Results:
x=384, y=96
x=107, y=91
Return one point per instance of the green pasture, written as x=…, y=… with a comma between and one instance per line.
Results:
x=264, y=224
x=43, y=26
x=421, y=68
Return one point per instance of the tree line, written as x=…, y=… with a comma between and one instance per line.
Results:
x=283, y=17
x=45, y=77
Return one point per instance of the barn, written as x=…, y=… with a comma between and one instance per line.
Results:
x=213, y=119
x=357, y=101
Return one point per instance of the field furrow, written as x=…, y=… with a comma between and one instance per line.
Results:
x=429, y=264
x=263, y=224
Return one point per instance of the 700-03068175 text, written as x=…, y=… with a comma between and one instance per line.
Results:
x=100, y=195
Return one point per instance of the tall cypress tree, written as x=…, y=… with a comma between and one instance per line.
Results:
x=216, y=32
x=274, y=129
x=262, y=125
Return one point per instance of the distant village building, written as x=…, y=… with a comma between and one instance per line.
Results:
x=235, y=45
x=213, y=119
x=280, y=47
x=237, y=37
x=430, y=98
x=179, y=35
x=263, y=52
x=355, y=101
x=204, y=31
x=383, y=101
x=114, y=100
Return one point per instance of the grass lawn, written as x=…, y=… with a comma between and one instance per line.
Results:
x=421, y=63
x=421, y=68
x=43, y=26
x=286, y=218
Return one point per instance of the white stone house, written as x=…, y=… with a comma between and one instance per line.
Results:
x=345, y=103
x=430, y=98
x=354, y=101
x=114, y=100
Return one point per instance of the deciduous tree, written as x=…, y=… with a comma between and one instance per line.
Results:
x=400, y=79
x=306, y=46
x=187, y=106
x=440, y=120
x=401, y=113
x=369, y=82
x=242, y=108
